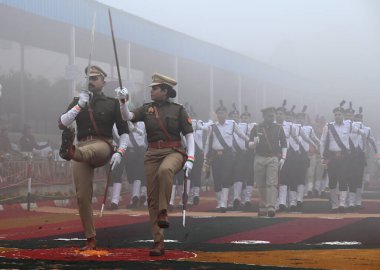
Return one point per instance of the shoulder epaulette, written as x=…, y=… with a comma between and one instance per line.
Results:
x=178, y=104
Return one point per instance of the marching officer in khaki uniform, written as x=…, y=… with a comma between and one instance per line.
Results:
x=95, y=114
x=164, y=123
x=269, y=141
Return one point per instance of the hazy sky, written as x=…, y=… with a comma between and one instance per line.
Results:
x=335, y=42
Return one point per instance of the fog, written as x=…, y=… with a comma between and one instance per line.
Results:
x=333, y=43
x=328, y=49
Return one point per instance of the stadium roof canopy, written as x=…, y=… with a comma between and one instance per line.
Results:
x=26, y=21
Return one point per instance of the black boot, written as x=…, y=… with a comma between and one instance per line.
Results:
x=67, y=149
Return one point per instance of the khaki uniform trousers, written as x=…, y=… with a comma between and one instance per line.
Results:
x=160, y=166
x=87, y=156
x=266, y=178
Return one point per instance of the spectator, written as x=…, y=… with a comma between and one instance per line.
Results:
x=28, y=142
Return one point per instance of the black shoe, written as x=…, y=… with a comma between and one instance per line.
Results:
x=281, y=208
x=299, y=205
x=135, y=202
x=342, y=209
x=351, y=209
x=222, y=209
x=142, y=200
x=271, y=213
x=236, y=204
x=67, y=149
x=196, y=200
x=293, y=208
x=113, y=206
x=359, y=207
x=334, y=210
x=247, y=205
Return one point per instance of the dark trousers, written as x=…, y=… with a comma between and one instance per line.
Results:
x=135, y=165
x=288, y=172
x=222, y=165
x=338, y=170
x=249, y=170
x=357, y=163
x=196, y=172
x=243, y=168
x=301, y=164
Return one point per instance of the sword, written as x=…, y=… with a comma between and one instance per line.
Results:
x=184, y=204
x=116, y=58
x=92, y=41
x=106, y=190
x=184, y=201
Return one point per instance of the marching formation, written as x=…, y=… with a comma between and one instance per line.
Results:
x=165, y=149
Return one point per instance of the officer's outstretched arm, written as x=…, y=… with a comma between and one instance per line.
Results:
x=123, y=96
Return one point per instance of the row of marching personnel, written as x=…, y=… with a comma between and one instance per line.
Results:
x=159, y=139
x=324, y=155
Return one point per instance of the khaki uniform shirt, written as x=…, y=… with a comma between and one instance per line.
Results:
x=106, y=111
x=173, y=116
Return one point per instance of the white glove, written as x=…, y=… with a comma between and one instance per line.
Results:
x=122, y=93
x=256, y=139
x=281, y=163
x=187, y=168
x=84, y=98
x=115, y=160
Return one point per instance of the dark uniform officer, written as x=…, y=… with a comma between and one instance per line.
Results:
x=164, y=123
x=269, y=141
x=94, y=146
x=28, y=142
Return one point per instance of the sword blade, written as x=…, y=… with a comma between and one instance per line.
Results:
x=92, y=41
x=114, y=49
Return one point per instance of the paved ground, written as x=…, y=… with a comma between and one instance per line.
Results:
x=49, y=237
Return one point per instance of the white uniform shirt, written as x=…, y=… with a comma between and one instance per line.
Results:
x=198, y=128
x=246, y=129
x=356, y=138
x=286, y=126
x=137, y=130
x=344, y=130
x=226, y=130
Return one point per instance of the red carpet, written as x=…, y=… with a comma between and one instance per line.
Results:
x=70, y=226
